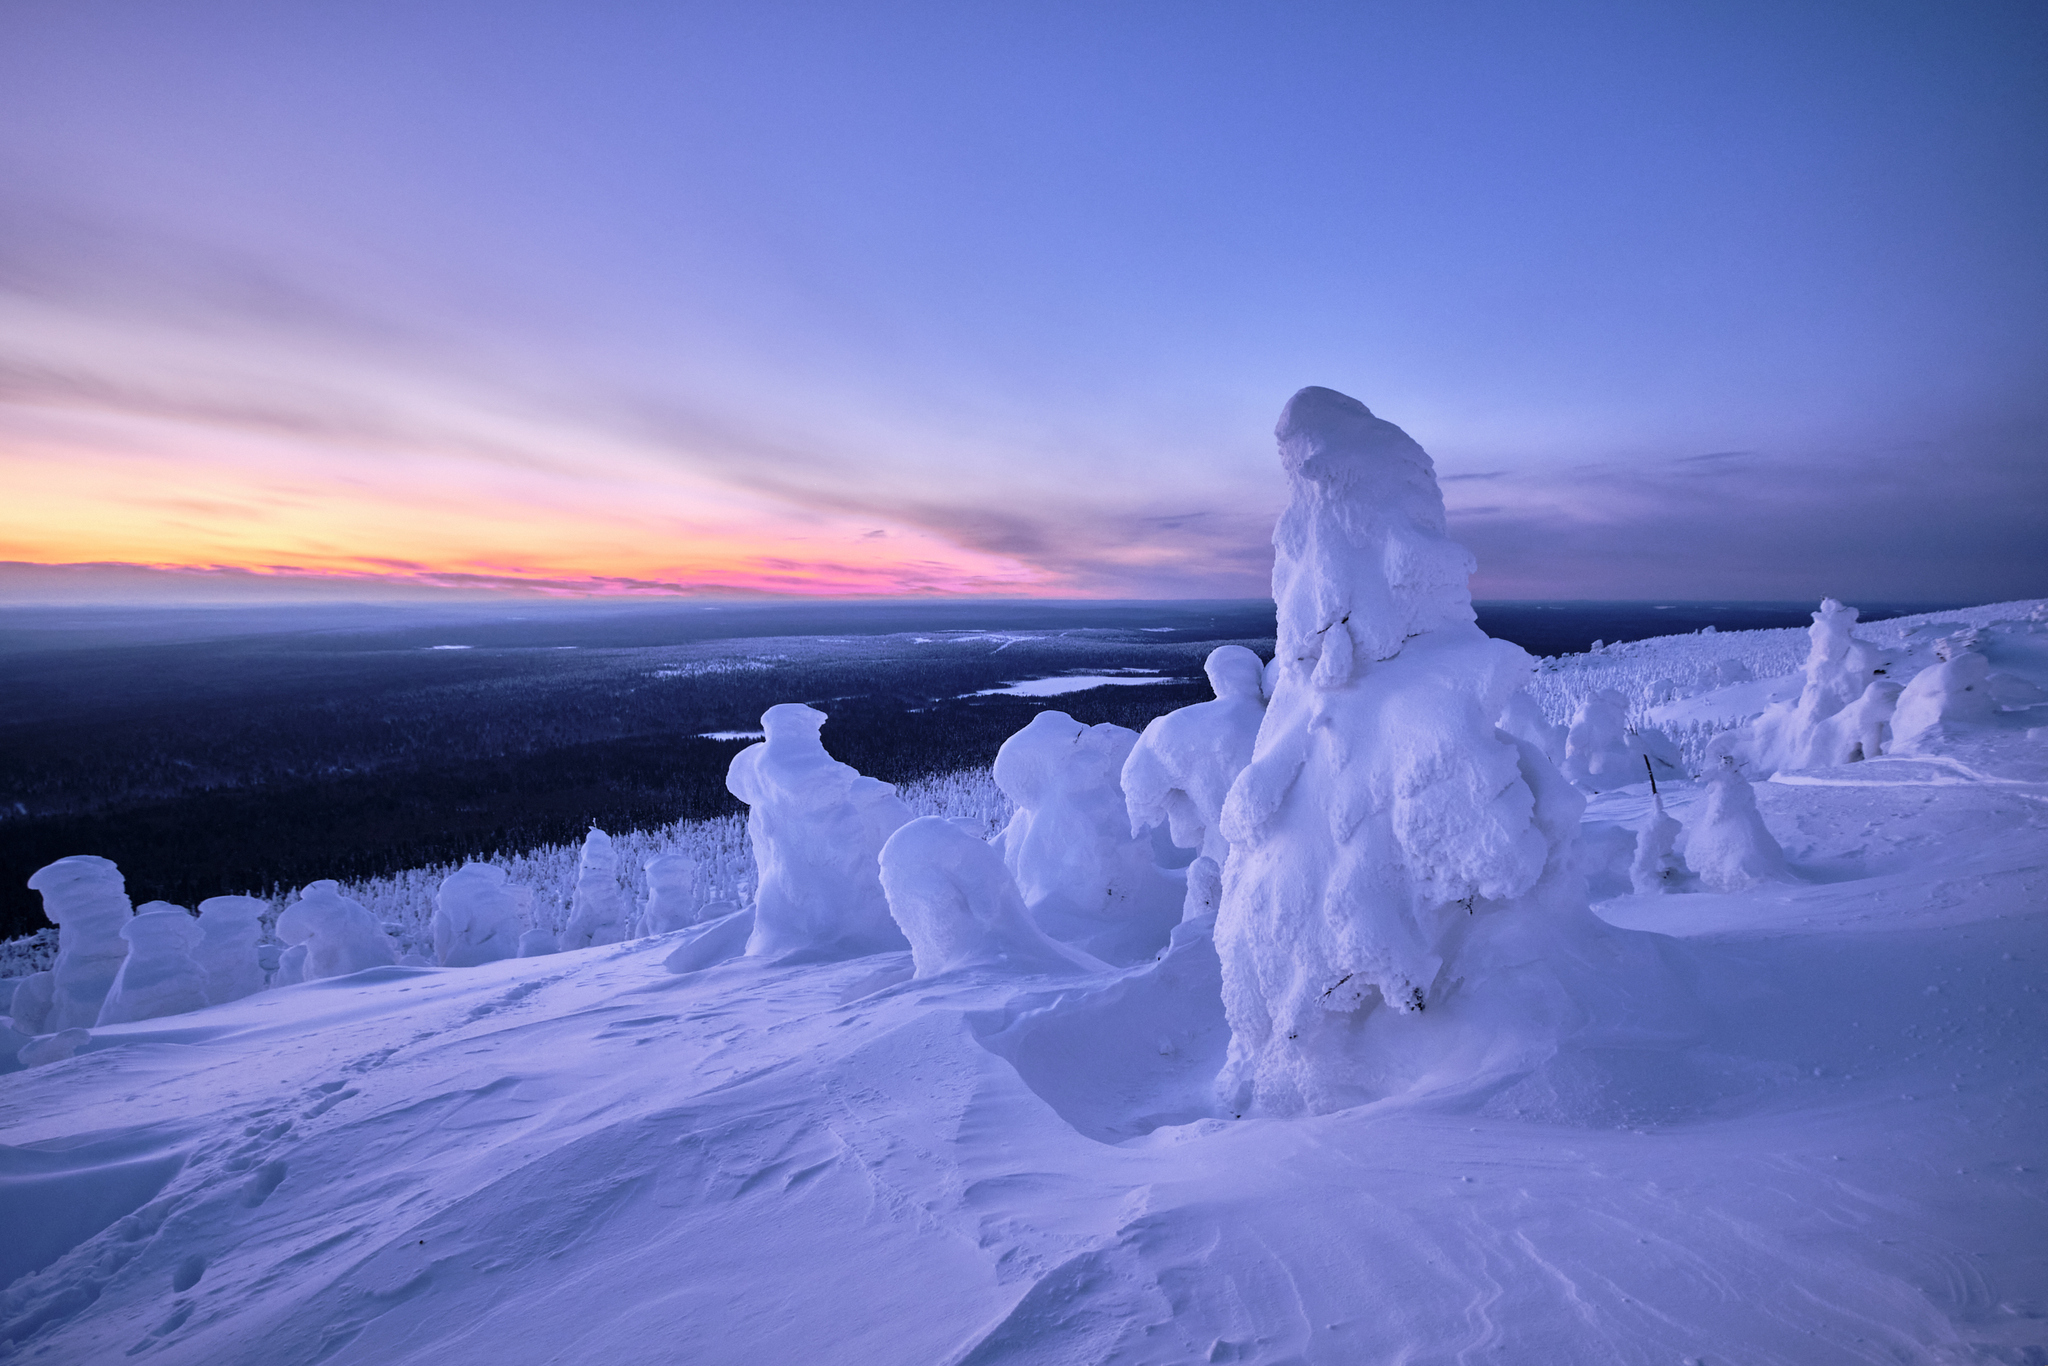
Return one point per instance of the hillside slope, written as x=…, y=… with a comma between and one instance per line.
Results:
x=589, y=1158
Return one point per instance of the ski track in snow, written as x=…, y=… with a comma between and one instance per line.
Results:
x=586, y=1158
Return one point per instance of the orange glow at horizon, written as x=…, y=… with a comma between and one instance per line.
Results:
x=93, y=487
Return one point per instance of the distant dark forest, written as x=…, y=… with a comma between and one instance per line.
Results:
x=245, y=749
x=254, y=757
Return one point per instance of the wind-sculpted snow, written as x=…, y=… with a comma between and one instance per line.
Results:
x=1183, y=764
x=958, y=906
x=1953, y=691
x=1843, y=711
x=1657, y=865
x=160, y=975
x=599, y=911
x=589, y=1158
x=1392, y=851
x=1727, y=844
x=1361, y=559
x=1522, y=719
x=478, y=917
x=817, y=828
x=337, y=934
x=897, y=1107
x=1086, y=878
x=1602, y=752
x=230, y=928
x=404, y=902
x=671, y=892
x=87, y=899
x=593, y=1157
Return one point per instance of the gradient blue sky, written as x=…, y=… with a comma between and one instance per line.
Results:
x=1700, y=301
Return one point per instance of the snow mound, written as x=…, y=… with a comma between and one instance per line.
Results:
x=230, y=929
x=817, y=828
x=1728, y=844
x=1602, y=753
x=671, y=892
x=1086, y=878
x=331, y=935
x=1952, y=692
x=958, y=906
x=598, y=911
x=86, y=898
x=477, y=917
x=1184, y=762
x=160, y=975
x=1657, y=865
x=1842, y=712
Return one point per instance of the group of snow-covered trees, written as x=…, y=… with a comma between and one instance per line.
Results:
x=1376, y=832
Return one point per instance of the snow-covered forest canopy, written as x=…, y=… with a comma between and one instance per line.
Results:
x=1400, y=996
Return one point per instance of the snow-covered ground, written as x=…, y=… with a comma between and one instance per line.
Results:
x=586, y=1157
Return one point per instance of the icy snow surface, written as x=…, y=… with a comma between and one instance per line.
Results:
x=1066, y=683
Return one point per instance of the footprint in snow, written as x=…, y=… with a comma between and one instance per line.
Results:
x=259, y=1187
x=333, y=1099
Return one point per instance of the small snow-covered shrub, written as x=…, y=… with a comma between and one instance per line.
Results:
x=28, y=954
x=1646, y=672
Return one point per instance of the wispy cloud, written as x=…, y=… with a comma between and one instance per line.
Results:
x=1958, y=519
x=162, y=405
x=185, y=404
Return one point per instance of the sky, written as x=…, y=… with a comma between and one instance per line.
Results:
x=1693, y=301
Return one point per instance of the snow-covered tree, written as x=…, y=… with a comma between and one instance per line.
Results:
x=817, y=828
